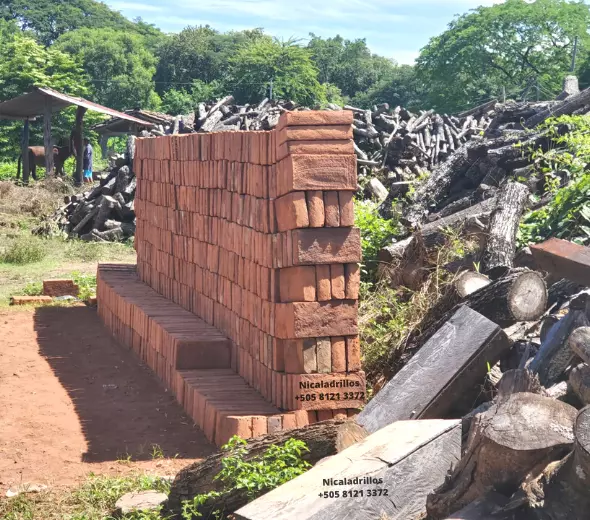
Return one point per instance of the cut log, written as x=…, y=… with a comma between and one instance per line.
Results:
x=322, y=439
x=387, y=475
x=498, y=254
x=555, y=353
x=518, y=380
x=505, y=443
x=564, y=259
x=561, y=492
x=442, y=377
x=521, y=295
x=488, y=507
x=569, y=105
x=579, y=342
x=580, y=382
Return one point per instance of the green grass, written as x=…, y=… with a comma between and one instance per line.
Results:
x=94, y=499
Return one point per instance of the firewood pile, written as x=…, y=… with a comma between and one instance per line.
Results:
x=103, y=214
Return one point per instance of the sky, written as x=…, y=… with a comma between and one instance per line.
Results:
x=396, y=29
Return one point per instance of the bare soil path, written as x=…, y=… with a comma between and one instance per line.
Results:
x=72, y=401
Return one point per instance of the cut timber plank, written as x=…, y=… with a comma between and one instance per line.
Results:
x=563, y=259
x=410, y=456
x=445, y=371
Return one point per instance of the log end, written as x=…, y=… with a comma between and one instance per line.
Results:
x=527, y=299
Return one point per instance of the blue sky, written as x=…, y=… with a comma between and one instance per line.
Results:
x=397, y=29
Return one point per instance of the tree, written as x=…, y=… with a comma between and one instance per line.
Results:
x=25, y=64
x=184, y=101
x=289, y=66
x=120, y=66
x=49, y=19
x=349, y=65
x=399, y=86
x=199, y=53
x=512, y=45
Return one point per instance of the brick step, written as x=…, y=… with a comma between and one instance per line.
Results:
x=166, y=336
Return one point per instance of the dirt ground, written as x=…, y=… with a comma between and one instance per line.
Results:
x=72, y=401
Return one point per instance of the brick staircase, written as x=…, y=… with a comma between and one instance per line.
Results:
x=243, y=300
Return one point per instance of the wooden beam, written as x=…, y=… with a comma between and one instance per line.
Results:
x=563, y=259
x=443, y=375
x=25, y=152
x=79, y=144
x=47, y=114
x=386, y=475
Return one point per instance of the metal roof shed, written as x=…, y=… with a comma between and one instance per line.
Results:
x=45, y=101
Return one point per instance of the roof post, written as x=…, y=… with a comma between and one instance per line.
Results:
x=47, y=137
x=25, y=152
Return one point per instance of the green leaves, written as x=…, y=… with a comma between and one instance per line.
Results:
x=276, y=466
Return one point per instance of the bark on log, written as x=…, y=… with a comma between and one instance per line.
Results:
x=505, y=443
x=322, y=439
x=567, y=106
x=498, y=255
x=561, y=492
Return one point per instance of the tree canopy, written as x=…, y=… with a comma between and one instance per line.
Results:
x=120, y=66
x=508, y=46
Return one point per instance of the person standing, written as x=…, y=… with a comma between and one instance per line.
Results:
x=87, y=161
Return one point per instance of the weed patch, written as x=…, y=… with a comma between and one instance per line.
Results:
x=23, y=251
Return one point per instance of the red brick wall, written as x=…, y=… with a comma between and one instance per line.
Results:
x=253, y=232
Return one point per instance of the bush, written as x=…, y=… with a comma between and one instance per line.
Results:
x=375, y=232
x=23, y=251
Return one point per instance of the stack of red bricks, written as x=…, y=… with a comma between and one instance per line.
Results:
x=253, y=233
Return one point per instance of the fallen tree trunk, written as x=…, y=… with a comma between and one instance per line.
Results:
x=498, y=254
x=505, y=443
x=322, y=439
x=571, y=104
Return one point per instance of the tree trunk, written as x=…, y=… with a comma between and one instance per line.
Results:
x=500, y=249
x=579, y=342
x=567, y=106
x=47, y=114
x=505, y=443
x=25, y=152
x=322, y=439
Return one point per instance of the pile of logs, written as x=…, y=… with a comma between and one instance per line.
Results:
x=105, y=213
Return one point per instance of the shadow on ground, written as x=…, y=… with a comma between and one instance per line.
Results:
x=123, y=408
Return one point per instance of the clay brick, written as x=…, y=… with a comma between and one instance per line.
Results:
x=202, y=353
x=57, y=288
x=315, y=208
x=350, y=387
x=315, y=118
x=316, y=319
x=326, y=246
x=317, y=147
x=353, y=354
x=233, y=425
x=274, y=423
x=301, y=418
x=325, y=415
x=337, y=281
x=291, y=211
x=324, y=355
x=312, y=133
x=297, y=284
x=346, y=203
x=317, y=172
x=259, y=425
x=353, y=281
x=30, y=300
x=332, y=209
x=324, y=285
x=338, y=355
x=289, y=421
